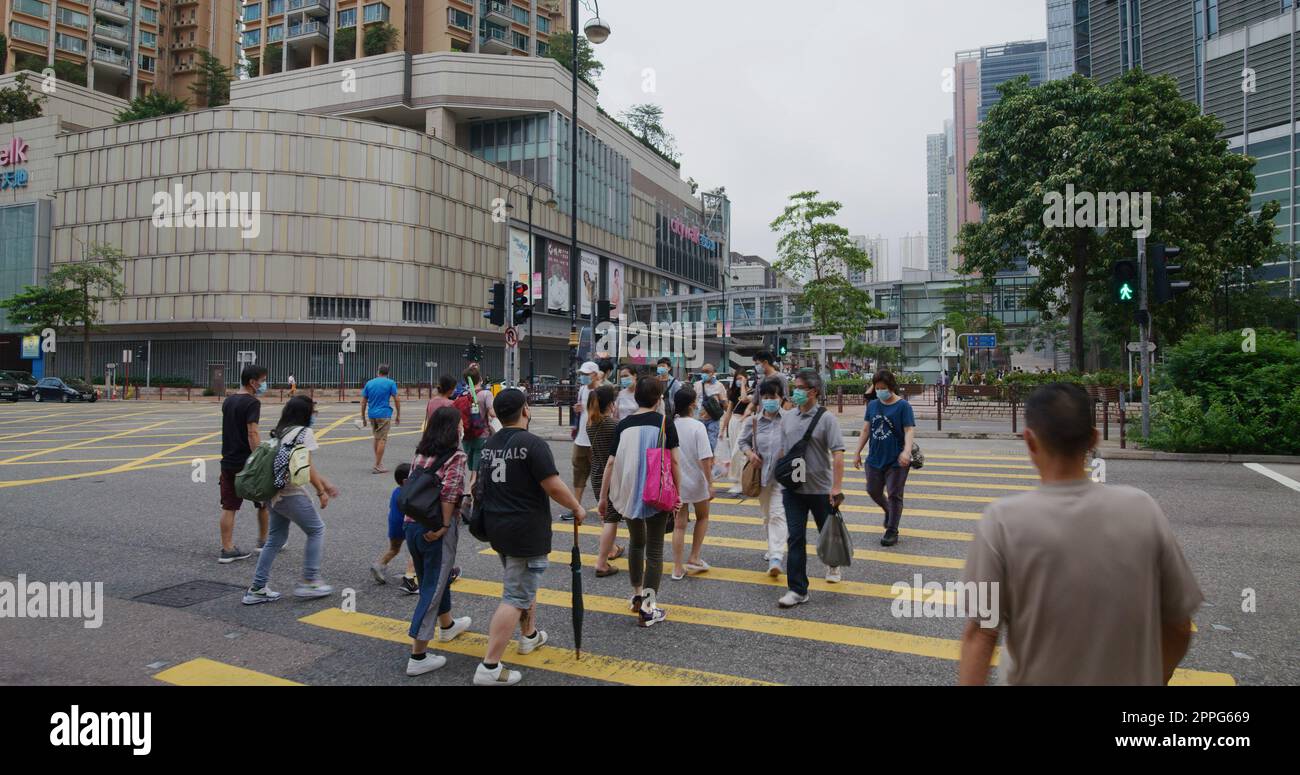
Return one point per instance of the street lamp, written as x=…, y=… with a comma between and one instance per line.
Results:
x=551, y=203
x=597, y=32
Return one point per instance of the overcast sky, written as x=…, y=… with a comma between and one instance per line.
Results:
x=770, y=98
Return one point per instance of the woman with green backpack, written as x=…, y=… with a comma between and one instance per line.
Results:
x=293, y=442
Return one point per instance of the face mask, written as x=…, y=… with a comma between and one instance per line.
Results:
x=771, y=405
x=584, y=380
x=710, y=377
x=312, y=422
x=883, y=395
x=626, y=382
x=662, y=370
x=800, y=397
x=261, y=388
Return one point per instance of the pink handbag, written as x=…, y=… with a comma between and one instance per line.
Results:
x=660, y=491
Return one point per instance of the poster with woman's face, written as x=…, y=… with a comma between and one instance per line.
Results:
x=590, y=277
x=557, y=277
x=614, y=282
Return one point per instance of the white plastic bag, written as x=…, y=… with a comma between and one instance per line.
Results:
x=722, y=459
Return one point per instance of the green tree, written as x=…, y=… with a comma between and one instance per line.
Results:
x=94, y=282
x=38, y=307
x=561, y=50
x=19, y=102
x=4, y=51
x=254, y=68
x=379, y=39
x=1134, y=134
x=819, y=250
x=345, y=44
x=152, y=105
x=212, y=87
x=647, y=122
x=272, y=59
x=70, y=72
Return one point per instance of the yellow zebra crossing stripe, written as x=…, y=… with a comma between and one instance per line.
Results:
x=942, y=535
x=554, y=659
x=208, y=672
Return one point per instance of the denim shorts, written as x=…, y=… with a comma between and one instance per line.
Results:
x=522, y=577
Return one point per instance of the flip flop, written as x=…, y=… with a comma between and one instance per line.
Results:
x=617, y=553
x=611, y=571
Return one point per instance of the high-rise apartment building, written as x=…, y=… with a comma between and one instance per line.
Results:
x=912, y=253
x=125, y=49
x=294, y=34
x=936, y=200
x=1237, y=60
x=966, y=135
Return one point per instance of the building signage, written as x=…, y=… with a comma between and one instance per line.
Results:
x=692, y=234
x=15, y=152
x=31, y=347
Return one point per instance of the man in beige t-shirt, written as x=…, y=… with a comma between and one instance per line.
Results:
x=1092, y=587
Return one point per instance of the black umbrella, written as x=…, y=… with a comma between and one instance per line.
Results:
x=575, y=564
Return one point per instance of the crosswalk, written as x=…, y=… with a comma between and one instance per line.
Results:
x=854, y=614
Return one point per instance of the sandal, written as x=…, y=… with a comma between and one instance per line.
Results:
x=617, y=553
x=610, y=571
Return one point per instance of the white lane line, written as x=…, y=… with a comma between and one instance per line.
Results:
x=1274, y=475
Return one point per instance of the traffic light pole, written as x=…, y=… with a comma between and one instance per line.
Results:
x=1144, y=336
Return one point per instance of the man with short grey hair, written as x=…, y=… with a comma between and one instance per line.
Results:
x=822, y=474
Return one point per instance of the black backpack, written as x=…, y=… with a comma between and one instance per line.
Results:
x=421, y=495
x=713, y=408
x=476, y=516
x=786, y=466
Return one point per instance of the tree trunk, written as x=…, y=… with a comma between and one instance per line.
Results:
x=1078, y=287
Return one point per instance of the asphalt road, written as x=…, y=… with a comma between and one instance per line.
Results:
x=108, y=493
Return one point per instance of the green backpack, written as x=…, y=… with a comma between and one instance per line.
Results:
x=256, y=482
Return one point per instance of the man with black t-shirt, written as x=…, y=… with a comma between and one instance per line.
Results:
x=240, y=414
x=521, y=483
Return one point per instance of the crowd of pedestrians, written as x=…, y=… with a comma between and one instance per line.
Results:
x=651, y=447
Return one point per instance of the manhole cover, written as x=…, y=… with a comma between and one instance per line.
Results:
x=189, y=593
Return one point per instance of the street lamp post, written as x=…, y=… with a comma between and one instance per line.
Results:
x=550, y=202
x=597, y=32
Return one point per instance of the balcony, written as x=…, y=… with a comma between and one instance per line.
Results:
x=311, y=7
x=375, y=12
x=113, y=10
x=191, y=21
x=495, y=42
x=117, y=36
x=108, y=59
x=308, y=34
x=498, y=13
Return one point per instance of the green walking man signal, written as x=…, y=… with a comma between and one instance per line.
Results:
x=1124, y=281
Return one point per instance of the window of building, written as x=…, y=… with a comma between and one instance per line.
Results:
x=335, y=308
x=348, y=18
x=30, y=34
x=149, y=16
x=376, y=12
x=251, y=38
x=274, y=34
x=520, y=14
x=147, y=63
x=33, y=8
x=543, y=49
x=458, y=18
x=1212, y=18
x=519, y=40
x=419, y=312
x=73, y=19
x=148, y=39
x=252, y=12
x=274, y=7
x=543, y=24
x=69, y=43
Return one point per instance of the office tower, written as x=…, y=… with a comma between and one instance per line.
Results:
x=1002, y=63
x=125, y=49
x=936, y=177
x=1068, y=34
x=294, y=34
x=966, y=99
x=912, y=253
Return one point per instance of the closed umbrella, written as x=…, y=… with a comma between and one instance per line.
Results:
x=575, y=564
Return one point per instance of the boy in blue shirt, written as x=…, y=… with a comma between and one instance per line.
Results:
x=396, y=538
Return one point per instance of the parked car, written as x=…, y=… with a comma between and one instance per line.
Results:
x=24, y=380
x=55, y=389
x=8, y=388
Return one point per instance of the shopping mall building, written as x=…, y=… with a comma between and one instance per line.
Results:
x=364, y=197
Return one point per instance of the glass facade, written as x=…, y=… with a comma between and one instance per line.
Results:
x=1130, y=34
x=683, y=256
x=999, y=64
x=521, y=145
x=1082, y=38
x=24, y=251
x=1273, y=183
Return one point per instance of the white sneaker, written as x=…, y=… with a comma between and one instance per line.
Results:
x=457, y=627
x=263, y=595
x=833, y=576
x=791, y=599
x=774, y=567
x=430, y=663
x=499, y=677
x=529, y=645
x=735, y=490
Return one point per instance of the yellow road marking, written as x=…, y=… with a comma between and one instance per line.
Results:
x=73, y=425
x=942, y=535
x=949, y=456
x=715, y=573
x=781, y=626
x=332, y=426
x=28, y=418
x=208, y=672
x=930, y=462
x=168, y=451
x=912, y=481
x=875, y=510
x=554, y=659
x=927, y=472
x=891, y=558
x=75, y=445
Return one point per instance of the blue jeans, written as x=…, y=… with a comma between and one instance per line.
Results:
x=433, y=563
x=299, y=510
x=713, y=426
x=797, y=506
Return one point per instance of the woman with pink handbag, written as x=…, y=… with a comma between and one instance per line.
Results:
x=640, y=486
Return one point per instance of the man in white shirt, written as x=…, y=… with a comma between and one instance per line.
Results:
x=710, y=387
x=590, y=377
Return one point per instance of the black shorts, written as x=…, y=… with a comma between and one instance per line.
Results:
x=230, y=501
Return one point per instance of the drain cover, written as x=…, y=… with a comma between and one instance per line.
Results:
x=187, y=594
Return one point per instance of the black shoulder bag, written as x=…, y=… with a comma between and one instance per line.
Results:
x=791, y=461
x=421, y=495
